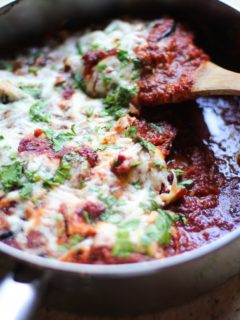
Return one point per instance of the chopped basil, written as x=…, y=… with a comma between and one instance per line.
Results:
x=109, y=125
x=185, y=183
x=72, y=242
x=38, y=112
x=31, y=176
x=136, y=163
x=33, y=69
x=13, y=155
x=156, y=127
x=82, y=184
x=160, y=230
x=86, y=217
x=63, y=247
x=146, y=240
x=117, y=102
x=94, y=46
x=123, y=246
x=106, y=215
x=109, y=200
x=106, y=80
x=61, y=174
x=178, y=172
x=112, y=206
x=1, y=137
x=78, y=82
x=107, y=146
x=75, y=239
x=101, y=66
x=135, y=74
x=6, y=65
x=137, y=185
x=58, y=140
x=114, y=218
x=130, y=225
x=137, y=69
x=159, y=165
x=93, y=188
x=16, y=176
x=150, y=206
x=59, y=217
x=183, y=219
x=10, y=176
x=131, y=132
x=35, y=92
x=36, y=53
x=137, y=63
x=124, y=57
x=26, y=190
x=89, y=112
x=79, y=49
x=146, y=144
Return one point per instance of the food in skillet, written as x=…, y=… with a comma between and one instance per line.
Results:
x=83, y=178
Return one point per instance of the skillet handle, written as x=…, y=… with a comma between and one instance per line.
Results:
x=6, y=5
x=20, y=293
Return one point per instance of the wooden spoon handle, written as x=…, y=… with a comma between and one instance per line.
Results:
x=211, y=79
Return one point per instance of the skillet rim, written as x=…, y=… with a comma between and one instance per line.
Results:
x=119, y=270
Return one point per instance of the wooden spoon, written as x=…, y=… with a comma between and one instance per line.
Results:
x=211, y=79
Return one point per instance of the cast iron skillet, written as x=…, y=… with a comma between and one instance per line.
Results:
x=145, y=286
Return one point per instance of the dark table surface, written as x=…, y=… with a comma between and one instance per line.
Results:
x=223, y=303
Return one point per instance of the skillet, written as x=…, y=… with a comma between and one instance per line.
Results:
x=145, y=286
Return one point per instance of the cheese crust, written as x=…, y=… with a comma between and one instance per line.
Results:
x=82, y=177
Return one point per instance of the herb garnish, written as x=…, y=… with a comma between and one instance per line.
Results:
x=78, y=82
x=16, y=176
x=6, y=65
x=75, y=239
x=185, y=183
x=62, y=174
x=10, y=176
x=146, y=144
x=123, y=246
x=130, y=225
x=33, y=69
x=137, y=185
x=79, y=49
x=178, y=172
x=123, y=56
x=101, y=66
x=160, y=230
x=26, y=190
x=38, y=113
x=131, y=132
x=86, y=217
x=35, y=92
x=156, y=127
x=117, y=102
x=58, y=140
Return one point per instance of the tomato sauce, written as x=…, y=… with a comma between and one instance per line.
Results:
x=168, y=64
x=206, y=148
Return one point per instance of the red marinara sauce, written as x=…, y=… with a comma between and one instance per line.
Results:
x=168, y=63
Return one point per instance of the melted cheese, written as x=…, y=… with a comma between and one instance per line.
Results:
x=91, y=125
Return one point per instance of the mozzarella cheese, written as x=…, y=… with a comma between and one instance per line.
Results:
x=61, y=211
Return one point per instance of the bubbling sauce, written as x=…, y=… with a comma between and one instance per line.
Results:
x=207, y=148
